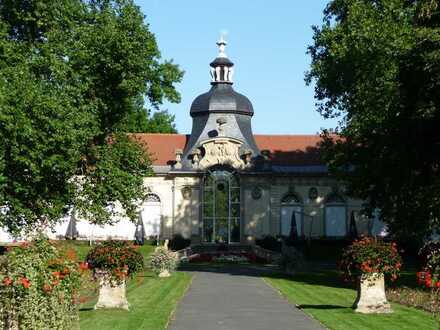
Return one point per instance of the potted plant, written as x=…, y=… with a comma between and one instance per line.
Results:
x=368, y=261
x=163, y=261
x=112, y=263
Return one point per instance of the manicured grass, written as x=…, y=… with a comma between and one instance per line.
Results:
x=152, y=301
x=322, y=296
x=82, y=247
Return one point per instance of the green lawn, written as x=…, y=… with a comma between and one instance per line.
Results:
x=152, y=301
x=322, y=296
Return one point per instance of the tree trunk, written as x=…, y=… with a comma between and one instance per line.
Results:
x=371, y=295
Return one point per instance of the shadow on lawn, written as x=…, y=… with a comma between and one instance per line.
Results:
x=323, y=278
x=322, y=307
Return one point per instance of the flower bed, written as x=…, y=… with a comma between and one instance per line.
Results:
x=428, y=300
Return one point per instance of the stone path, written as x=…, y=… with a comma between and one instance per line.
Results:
x=236, y=299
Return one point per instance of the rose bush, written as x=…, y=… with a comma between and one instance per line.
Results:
x=429, y=277
x=39, y=282
x=369, y=256
x=118, y=258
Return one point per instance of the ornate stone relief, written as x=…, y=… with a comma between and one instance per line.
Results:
x=257, y=192
x=221, y=151
x=186, y=192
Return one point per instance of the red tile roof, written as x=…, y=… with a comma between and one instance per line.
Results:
x=162, y=147
x=284, y=149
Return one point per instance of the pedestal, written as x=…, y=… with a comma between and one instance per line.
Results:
x=111, y=296
x=371, y=295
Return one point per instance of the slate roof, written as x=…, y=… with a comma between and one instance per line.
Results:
x=221, y=98
x=285, y=150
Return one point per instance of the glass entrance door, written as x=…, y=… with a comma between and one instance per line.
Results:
x=221, y=207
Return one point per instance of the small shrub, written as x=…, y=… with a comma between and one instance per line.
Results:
x=178, y=242
x=291, y=259
x=368, y=256
x=430, y=276
x=38, y=286
x=162, y=259
x=120, y=259
x=269, y=242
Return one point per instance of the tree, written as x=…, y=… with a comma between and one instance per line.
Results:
x=70, y=71
x=142, y=120
x=376, y=65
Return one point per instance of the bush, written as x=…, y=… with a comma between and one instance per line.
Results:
x=38, y=286
x=368, y=256
x=120, y=259
x=178, y=242
x=430, y=276
x=269, y=242
x=162, y=259
x=291, y=259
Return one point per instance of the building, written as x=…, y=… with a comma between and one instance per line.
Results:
x=223, y=184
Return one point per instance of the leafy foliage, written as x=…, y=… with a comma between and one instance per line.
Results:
x=38, y=286
x=431, y=255
x=119, y=258
x=371, y=256
x=71, y=71
x=162, y=259
x=430, y=276
x=375, y=65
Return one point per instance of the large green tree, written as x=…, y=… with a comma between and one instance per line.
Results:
x=376, y=66
x=70, y=72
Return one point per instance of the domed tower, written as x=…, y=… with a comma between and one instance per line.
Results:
x=221, y=131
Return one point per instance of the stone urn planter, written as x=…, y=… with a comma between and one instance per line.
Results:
x=111, y=295
x=371, y=295
x=164, y=273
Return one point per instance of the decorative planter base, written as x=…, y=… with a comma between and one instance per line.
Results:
x=371, y=295
x=164, y=273
x=111, y=296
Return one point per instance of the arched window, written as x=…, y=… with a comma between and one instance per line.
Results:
x=221, y=207
x=292, y=221
x=152, y=198
x=335, y=216
x=151, y=214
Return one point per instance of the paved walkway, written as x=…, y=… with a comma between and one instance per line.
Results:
x=236, y=299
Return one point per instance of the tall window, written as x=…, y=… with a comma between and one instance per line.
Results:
x=292, y=211
x=151, y=215
x=221, y=207
x=335, y=216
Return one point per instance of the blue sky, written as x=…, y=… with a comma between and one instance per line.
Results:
x=267, y=41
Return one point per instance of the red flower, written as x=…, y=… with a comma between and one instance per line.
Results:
x=25, y=282
x=7, y=281
x=47, y=287
x=83, y=266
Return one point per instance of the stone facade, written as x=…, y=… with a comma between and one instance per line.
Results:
x=223, y=184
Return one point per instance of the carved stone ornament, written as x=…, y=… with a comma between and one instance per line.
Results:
x=221, y=151
x=186, y=192
x=313, y=193
x=257, y=192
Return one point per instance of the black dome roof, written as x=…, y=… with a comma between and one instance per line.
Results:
x=221, y=98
